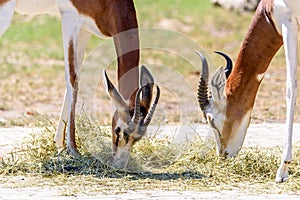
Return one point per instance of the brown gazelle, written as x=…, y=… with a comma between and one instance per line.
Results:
x=228, y=110
x=130, y=122
x=80, y=19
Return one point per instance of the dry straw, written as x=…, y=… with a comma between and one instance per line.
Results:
x=154, y=164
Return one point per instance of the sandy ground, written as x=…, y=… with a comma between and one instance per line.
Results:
x=46, y=193
x=259, y=135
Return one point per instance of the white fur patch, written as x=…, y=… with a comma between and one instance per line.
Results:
x=217, y=114
x=260, y=77
x=240, y=130
x=284, y=11
x=34, y=7
x=121, y=157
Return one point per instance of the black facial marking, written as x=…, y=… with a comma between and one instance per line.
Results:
x=117, y=132
x=126, y=136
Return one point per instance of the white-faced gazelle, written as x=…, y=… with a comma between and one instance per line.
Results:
x=80, y=19
x=228, y=110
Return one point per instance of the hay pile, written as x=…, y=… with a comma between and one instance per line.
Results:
x=154, y=164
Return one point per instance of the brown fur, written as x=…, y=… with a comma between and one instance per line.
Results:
x=72, y=72
x=3, y=2
x=113, y=17
x=72, y=125
x=117, y=19
x=73, y=80
x=261, y=43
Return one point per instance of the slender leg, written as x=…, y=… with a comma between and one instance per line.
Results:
x=6, y=13
x=290, y=38
x=74, y=40
x=83, y=38
x=60, y=133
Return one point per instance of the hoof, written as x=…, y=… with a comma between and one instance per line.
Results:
x=60, y=150
x=282, y=173
x=74, y=152
x=281, y=179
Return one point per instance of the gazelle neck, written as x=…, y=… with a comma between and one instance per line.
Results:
x=261, y=43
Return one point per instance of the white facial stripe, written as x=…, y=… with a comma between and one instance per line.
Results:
x=236, y=142
x=216, y=114
x=121, y=124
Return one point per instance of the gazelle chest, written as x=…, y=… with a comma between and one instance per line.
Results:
x=284, y=11
x=294, y=5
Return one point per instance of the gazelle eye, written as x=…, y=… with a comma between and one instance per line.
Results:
x=126, y=136
x=117, y=131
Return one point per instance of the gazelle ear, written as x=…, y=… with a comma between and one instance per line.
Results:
x=146, y=78
x=115, y=96
x=217, y=83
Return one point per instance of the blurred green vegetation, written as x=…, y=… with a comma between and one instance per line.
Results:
x=31, y=54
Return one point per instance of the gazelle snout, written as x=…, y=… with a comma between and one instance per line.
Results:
x=232, y=142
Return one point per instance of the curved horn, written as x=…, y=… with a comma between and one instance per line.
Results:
x=203, y=98
x=149, y=115
x=228, y=68
x=137, y=112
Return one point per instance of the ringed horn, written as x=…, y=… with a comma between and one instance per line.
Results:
x=137, y=113
x=203, y=98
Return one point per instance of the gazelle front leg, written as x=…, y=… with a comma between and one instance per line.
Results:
x=6, y=12
x=75, y=41
x=70, y=34
x=290, y=38
x=82, y=41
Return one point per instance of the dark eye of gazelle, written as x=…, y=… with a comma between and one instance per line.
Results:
x=126, y=136
x=117, y=131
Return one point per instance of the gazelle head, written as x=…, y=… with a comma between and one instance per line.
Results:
x=225, y=114
x=130, y=122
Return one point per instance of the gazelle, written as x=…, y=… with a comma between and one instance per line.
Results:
x=228, y=111
x=80, y=19
x=130, y=122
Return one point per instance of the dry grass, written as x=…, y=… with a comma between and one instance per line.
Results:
x=155, y=164
x=37, y=75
